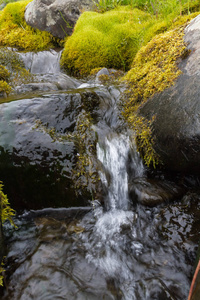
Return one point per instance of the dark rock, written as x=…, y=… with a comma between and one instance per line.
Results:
x=56, y=17
x=151, y=192
x=37, y=160
x=176, y=127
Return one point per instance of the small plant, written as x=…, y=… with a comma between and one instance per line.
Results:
x=6, y=212
x=5, y=88
x=1, y=274
x=4, y=73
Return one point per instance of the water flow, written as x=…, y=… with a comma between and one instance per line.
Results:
x=113, y=155
x=43, y=62
x=107, y=244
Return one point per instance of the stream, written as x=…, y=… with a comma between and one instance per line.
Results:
x=118, y=250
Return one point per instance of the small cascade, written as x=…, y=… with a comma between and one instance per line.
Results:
x=114, y=155
x=107, y=245
x=43, y=62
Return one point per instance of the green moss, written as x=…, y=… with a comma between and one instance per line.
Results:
x=4, y=73
x=14, y=31
x=107, y=40
x=7, y=212
x=153, y=70
x=113, y=38
x=5, y=88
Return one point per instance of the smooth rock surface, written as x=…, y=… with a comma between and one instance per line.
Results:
x=37, y=168
x=55, y=16
x=176, y=127
x=151, y=192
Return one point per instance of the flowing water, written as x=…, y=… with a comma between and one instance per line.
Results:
x=118, y=251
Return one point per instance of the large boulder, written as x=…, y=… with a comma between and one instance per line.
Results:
x=39, y=150
x=48, y=147
x=55, y=16
x=176, y=111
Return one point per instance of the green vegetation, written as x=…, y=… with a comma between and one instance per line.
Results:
x=112, y=39
x=5, y=88
x=12, y=71
x=156, y=7
x=14, y=32
x=153, y=70
x=6, y=212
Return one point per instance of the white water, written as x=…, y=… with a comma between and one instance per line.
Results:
x=106, y=246
x=42, y=62
x=114, y=156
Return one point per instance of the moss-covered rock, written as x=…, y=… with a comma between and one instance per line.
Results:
x=110, y=40
x=154, y=69
x=14, y=31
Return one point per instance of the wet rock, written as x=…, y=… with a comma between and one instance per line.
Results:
x=176, y=112
x=151, y=192
x=32, y=87
x=56, y=17
x=48, y=82
x=39, y=151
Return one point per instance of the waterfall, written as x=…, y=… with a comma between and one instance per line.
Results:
x=107, y=244
x=114, y=155
x=43, y=62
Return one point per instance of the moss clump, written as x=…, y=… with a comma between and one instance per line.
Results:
x=153, y=70
x=5, y=88
x=110, y=40
x=14, y=31
x=4, y=73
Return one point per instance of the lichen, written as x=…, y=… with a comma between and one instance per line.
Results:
x=14, y=31
x=153, y=70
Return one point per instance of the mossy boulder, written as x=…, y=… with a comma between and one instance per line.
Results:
x=14, y=31
x=174, y=113
x=56, y=17
x=109, y=39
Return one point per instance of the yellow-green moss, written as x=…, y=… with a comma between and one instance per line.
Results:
x=4, y=73
x=14, y=31
x=153, y=70
x=112, y=39
x=7, y=212
x=5, y=88
x=107, y=40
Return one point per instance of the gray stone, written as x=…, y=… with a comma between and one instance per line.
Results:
x=56, y=16
x=176, y=128
x=151, y=192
